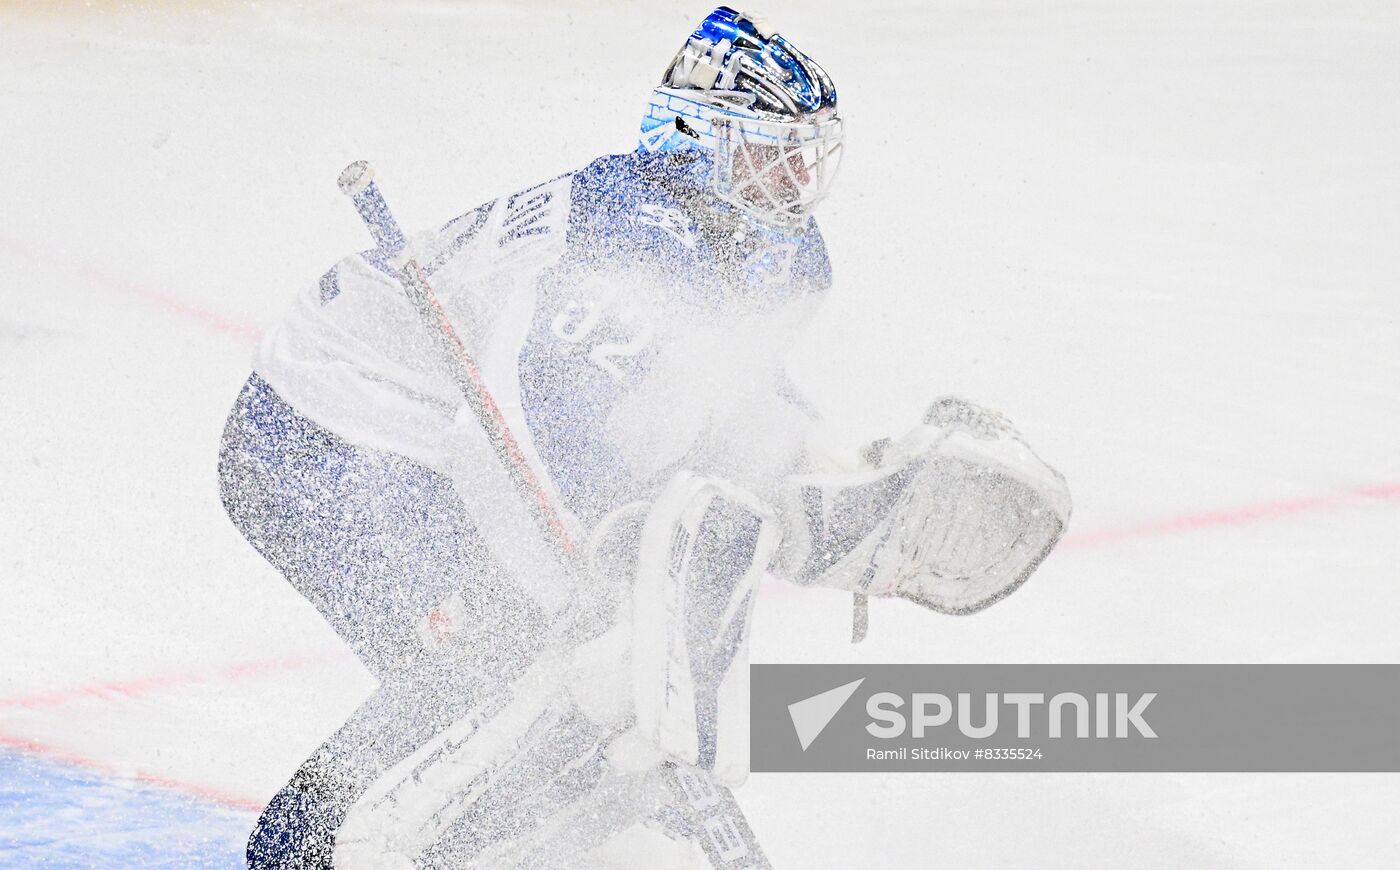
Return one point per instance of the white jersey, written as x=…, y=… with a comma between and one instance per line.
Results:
x=626, y=325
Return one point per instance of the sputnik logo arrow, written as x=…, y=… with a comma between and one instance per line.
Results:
x=810, y=716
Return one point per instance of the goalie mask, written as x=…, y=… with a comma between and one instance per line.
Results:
x=763, y=111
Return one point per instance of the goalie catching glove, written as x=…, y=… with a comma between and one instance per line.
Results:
x=954, y=516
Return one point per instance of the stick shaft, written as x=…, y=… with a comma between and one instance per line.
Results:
x=357, y=182
x=466, y=374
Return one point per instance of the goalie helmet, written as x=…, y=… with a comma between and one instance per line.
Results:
x=763, y=111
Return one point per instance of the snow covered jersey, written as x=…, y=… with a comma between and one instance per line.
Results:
x=626, y=322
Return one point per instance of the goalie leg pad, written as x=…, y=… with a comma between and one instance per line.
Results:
x=518, y=743
x=704, y=547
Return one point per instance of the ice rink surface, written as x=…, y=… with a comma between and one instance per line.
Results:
x=1161, y=237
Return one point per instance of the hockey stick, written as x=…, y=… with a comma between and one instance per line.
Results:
x=715, y=818
x=357, y=182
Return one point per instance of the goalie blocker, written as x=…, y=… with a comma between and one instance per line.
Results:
x=954, y=516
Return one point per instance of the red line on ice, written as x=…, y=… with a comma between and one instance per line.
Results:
x=131, y=688
x=92, y=274
x=1237, y=516
x=194, y=789
x=210, y=319
x=137, y=686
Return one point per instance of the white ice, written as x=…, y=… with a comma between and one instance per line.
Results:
x=1161, y=237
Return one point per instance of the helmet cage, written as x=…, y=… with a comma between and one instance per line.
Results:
x=777, y=171
x=764, y=111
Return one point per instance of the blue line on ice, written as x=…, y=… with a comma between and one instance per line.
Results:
x=54, y=816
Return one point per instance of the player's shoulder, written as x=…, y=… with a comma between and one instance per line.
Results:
x=611, y=190
x=515, y=226
x=633, y=175
x=659, y=208
x=632, y=208
x=490, y=235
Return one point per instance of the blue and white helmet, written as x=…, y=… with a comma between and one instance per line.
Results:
x=764, y=111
